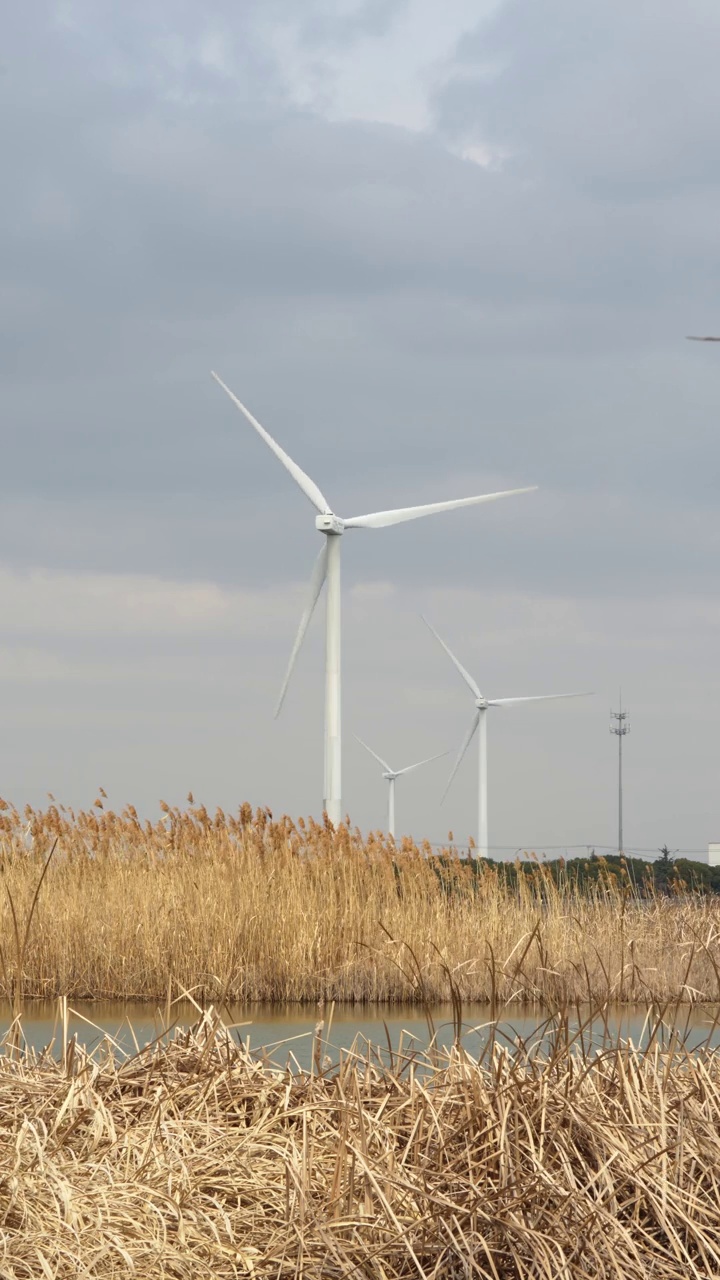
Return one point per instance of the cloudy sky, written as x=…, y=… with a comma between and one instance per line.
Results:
x=439, y=250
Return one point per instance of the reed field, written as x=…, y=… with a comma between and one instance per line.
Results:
x=194, y=1160
x=238, y=908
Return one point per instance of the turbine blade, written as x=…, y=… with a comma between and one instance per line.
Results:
x=378, y=519
x=379, y=759
x=466, y=743
x=472, y=684
x=307, y=485
x=538, y=697
x=316, y=583
x=409, y=768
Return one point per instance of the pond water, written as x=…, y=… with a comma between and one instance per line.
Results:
x=286, y=1033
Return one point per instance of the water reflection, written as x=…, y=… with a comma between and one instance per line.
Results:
x=286, y=1033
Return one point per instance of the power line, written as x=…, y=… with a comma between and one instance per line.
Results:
x=586, y=848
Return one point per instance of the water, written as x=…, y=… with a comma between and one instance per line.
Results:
x=286, y=1033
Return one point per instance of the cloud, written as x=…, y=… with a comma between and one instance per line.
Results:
x=283, y=197
x=618, y=99
x=124, y=605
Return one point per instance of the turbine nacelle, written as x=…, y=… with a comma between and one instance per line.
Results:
x=327, y=522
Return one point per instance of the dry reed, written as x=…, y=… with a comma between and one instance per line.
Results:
x=192, y=1160
x=247, y=908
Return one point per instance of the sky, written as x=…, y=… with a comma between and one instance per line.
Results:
x=438, y=250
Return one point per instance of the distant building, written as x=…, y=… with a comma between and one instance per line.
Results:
x=714, y=855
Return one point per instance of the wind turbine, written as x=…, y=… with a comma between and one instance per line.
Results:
x=479, y=725
x=327, y=566
x=392, y=775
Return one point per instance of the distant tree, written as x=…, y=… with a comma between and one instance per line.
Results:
x=587, y=872
x=664, y=868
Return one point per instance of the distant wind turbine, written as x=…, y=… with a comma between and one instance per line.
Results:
x=392, y=775
x=327, y=566
x=479, y=724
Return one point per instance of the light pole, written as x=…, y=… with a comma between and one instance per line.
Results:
x=620, y=728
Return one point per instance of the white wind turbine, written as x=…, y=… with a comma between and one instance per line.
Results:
x=392, y=775
x=479, y=725
x=327, y=566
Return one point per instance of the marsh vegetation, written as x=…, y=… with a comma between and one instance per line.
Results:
x=193, y=1159
x=247, y=908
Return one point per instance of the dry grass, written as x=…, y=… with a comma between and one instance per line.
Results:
x=247, y=908
x=192, y=1160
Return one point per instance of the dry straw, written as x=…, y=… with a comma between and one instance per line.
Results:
x=246, y=908
x=192, y=1160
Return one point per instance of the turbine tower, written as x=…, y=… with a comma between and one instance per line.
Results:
x=327, y=566
x=479, y=725
x=392, y=775
x=621, y=728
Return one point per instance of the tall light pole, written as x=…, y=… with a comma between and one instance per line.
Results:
x=620, y=728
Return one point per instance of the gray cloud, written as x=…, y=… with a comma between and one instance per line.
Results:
x=618, y=99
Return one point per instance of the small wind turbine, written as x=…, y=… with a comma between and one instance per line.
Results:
x=392, y=775
x=479, y=723
x=327, y=566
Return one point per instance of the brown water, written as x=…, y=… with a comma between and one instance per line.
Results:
x=286, y=1033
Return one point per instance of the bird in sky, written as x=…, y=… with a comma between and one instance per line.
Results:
x=691, y=338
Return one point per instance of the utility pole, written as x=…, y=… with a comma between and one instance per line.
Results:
x=620, y=728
